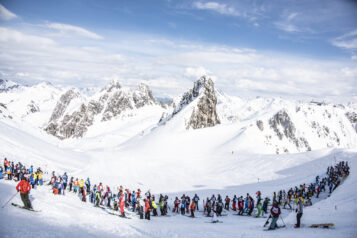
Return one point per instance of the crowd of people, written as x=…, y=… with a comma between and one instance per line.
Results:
x=145, y=205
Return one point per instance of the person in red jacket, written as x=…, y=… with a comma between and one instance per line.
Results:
x=121, y=204
x=275, y=213
x=24, y=188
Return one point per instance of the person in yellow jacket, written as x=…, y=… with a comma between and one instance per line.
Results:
x=81, y=184
x=154, y=206
x=39, y=176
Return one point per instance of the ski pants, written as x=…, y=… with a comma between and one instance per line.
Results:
x=25, y=199
x=147, y=215
x=226, y=206
x=298, y=218
x=234, y=206
x=196, y=203
x=192, y=213
x=273, y=222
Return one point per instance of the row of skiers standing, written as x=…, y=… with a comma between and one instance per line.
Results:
x=145, y=204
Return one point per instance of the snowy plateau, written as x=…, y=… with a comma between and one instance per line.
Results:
x=203, y=141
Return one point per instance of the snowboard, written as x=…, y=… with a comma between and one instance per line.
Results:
x=323, y=225
x=29, y=209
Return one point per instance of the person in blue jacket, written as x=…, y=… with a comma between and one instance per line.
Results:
x=32, y=181
x=31, y=169
x=1, y=171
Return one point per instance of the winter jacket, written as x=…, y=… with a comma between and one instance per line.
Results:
x=275, y=211
x=193, y=206
x=153, y=204
x=147, y=206
x=23, y=187
x=300, y=207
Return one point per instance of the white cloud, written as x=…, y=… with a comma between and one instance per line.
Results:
x=169, y=66
x=196, y=72
x=217, y=7
x=346, y=41
x=5, y=14
x=66, y=29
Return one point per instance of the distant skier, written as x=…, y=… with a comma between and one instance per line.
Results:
x=299, y=211
x=196, y=199
x=24, y=188
x=227, y=202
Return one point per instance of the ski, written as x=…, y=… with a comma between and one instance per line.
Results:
x=324, y=225
x=22, y=207
x=213, y=221
x=274, y=229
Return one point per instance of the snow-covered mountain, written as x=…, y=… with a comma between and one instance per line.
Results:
x=274, y=125
x=74, y=113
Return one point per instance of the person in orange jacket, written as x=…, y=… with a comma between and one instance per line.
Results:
x=24, y=188
x=193, y=207
x=147, y=208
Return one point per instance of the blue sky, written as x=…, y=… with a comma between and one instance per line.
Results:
x=280, y=48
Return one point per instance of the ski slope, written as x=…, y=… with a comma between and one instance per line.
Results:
x=67, y=216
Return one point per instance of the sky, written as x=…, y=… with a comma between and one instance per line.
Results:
x=301, y=49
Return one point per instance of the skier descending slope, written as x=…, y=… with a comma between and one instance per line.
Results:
x=275, y=213
x=24, y=188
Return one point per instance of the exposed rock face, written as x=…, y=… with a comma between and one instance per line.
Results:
x=283, y=126
x=112, y=101
x=260, y=125
x=62, y=104
x=205, y=114
x=33, y=107
x=6, y=85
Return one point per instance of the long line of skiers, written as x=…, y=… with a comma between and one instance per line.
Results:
x=145, y=204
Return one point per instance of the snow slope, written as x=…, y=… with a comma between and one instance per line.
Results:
x=66, y=216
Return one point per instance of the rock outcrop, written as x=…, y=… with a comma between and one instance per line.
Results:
x=108, y=104
x=284, y=127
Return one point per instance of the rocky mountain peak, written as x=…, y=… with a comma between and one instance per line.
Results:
x=6, y=85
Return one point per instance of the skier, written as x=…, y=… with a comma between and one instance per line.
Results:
x=196, y=199
x=88, y=185
x=240, y=205
x=24, y=188
x=192, y=207
x=259, y=198
x=234, y=203
x=9, y=173
x=65, y=180
x=275, y=213
x=226, y=205
x=188, y=200
x=183, y=205
x=147, y=208
x=1, y=170
x=251, y=206
x=299, y=211
x=176, y=205
x=71, y=184
x=141, y=205
x=122, y=204
x=154, y=206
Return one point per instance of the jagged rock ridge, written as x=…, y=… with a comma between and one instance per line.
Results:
x=112, y=101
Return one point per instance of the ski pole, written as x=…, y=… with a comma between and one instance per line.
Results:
x=267, y=222
x=282, y=220
x=9, y=200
